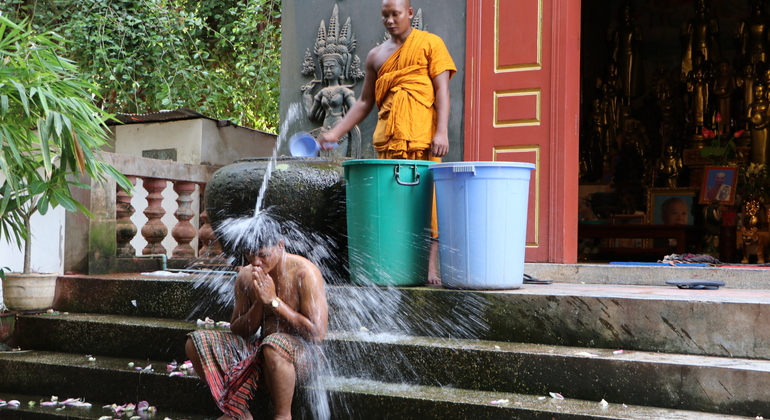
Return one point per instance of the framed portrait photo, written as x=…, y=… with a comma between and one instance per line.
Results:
x=718, y=184
x=670, y=206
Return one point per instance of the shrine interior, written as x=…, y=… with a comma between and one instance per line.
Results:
x=675, y=124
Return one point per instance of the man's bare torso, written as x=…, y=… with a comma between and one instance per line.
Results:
x=287, y=288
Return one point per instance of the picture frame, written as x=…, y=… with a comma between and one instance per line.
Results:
x=719, y=183
x=657, y=197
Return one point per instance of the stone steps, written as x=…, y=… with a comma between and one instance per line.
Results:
x=37, y=412
x=105, y=379
x=697, y=350
x=365, y=399
x=693, y=382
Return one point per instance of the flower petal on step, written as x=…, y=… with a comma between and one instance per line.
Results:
x=556, y=395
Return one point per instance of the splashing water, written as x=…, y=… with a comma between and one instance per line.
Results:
x=363, y=320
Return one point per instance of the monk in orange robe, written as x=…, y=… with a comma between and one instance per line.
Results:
x=407, y=76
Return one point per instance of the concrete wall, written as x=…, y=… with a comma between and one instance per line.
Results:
x=300, y=22
x=230, y=143
x=47, y=238
x=184, y=136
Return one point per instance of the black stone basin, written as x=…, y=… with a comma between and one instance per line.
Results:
x=309, y=191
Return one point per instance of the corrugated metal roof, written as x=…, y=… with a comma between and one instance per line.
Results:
x=170, y=115
x=160, y=116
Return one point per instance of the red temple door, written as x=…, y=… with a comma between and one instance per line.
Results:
x=522, y=105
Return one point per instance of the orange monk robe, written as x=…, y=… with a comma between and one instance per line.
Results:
x=407, y=119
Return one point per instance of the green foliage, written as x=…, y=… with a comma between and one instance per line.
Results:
x=218, y=57
x=50, y=129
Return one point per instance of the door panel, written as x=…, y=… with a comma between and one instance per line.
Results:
x=522, y=105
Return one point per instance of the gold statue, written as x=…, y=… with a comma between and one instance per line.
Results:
x=759, y=123
x=746, y=82
x=670, y=166
x=698, y=88
x=626, y=47
x=753, y=34
x=724, y=86
x=699, y=35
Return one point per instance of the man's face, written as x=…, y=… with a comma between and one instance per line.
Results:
x=266, y=258
x=396, y=16
x=676, y=214
x=719, y=179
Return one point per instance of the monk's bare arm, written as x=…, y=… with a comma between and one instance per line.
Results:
x=247, y=316
x=440, y=144
x=312, y=319
x=360, y=109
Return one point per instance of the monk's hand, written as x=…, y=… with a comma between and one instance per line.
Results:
x=440, y=145
x=263, y=285
x=327, y=140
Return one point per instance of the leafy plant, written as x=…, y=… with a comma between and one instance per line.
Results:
x=50, y=131
x=218, y=57
x=718, y=152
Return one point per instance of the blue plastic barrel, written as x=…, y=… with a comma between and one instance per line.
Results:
x=482, y=223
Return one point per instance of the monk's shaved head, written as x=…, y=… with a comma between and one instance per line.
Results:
x=403, y=3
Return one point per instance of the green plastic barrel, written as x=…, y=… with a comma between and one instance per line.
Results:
x=388, y=210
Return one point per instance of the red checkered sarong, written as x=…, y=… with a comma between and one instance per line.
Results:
x=232, y=365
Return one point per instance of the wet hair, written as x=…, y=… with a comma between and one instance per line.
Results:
x=241, y=234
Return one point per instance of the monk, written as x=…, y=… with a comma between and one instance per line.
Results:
x=407, y=76
x=280, y=313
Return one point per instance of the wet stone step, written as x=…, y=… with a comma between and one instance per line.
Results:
x=27, y=411
x=704, y=383
x=354, y=399
x=645, y=318
x=102, y=378
x=188, y=297
x=109, y=335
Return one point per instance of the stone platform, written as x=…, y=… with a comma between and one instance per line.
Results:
x=650, y=351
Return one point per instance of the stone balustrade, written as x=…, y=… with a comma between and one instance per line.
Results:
x=112, y=210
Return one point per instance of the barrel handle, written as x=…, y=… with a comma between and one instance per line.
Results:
x=464, y=168
x=396, y=170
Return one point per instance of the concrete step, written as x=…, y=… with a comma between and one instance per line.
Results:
x=646, y=318
x=105, y=379
x=350, y=398
x=365, y=399
x=702, y=383
x=139, y=338
x=683, y=349
x=713, y=384
x=25, y=411
x=134, y=294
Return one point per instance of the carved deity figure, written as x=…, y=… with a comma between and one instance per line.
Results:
x=341, y=70
x=724, y=86
x=626, y=48
x=752, y=36
x=759, y=123
x=699, y=35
